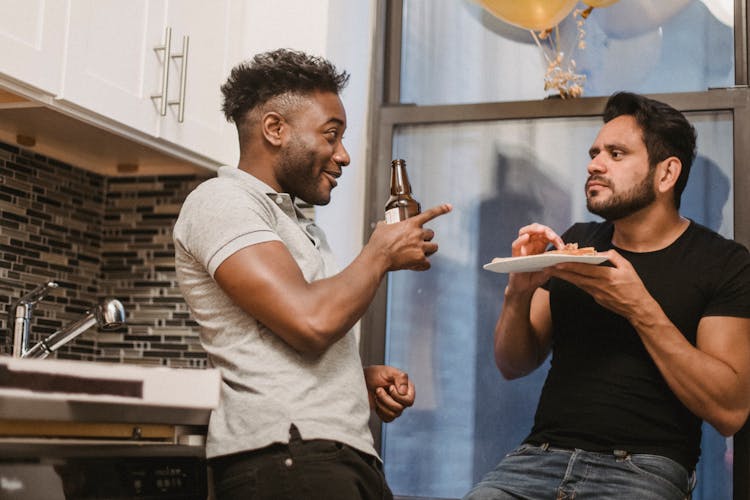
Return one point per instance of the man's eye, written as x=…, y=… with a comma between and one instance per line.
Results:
x=617, y=154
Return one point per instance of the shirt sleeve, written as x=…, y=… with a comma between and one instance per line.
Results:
x=221, y=219
x=732, y=290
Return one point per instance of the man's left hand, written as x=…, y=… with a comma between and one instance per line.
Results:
x=389, y=390
x=616, y=287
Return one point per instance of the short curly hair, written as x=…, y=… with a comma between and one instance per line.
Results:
x=280, y=72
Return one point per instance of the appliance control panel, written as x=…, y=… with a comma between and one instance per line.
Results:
x=110, y=477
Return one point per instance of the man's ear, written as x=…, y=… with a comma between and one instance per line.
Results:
x=667, y=173
x=273, y=126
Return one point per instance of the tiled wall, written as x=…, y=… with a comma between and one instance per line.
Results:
x=96, y=237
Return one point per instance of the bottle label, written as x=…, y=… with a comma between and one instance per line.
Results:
x=393, y=215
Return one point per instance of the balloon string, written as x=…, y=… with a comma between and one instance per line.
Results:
x=555, y=44
x=572, y=47
x=538, y=43
x=560, y=74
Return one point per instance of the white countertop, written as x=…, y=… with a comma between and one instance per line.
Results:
x=82, y=391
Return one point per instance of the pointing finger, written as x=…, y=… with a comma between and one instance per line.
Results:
x=431, y=213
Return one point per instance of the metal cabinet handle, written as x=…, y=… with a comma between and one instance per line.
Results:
x=180, y=102
x=166, y=48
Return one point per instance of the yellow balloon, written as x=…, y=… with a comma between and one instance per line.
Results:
x=534, y=15
x=599, y=3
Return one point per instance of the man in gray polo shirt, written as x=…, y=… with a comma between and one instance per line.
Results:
x=275, y=312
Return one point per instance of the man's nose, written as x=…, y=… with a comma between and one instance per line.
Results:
x=596, y=165
x=341, y=156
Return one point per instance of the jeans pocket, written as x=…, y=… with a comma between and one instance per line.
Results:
x=318, y=450
x=662, y=469
x=236, y=484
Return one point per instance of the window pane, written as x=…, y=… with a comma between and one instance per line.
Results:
x=454, y=52
x=500, y=176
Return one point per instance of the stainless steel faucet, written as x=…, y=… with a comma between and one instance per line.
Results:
x=19, y=315
x=108, y=315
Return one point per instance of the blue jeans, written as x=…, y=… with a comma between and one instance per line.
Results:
x=542, y=472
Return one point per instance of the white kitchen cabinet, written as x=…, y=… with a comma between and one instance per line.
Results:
x=95, y=60
x=113, y=69
x=214, y=30
x=110, y=65
x=32, y=35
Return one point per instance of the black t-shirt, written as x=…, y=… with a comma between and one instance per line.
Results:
x=603, y=391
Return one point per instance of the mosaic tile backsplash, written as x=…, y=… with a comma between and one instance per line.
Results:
x=97, y=237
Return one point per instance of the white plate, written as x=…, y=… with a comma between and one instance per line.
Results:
x=531, y=263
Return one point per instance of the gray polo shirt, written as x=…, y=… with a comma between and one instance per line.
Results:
x=266, y=384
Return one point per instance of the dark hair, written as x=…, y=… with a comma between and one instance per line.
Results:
x=666, y=131
x=277, y=73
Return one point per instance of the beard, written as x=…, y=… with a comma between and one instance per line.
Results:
x=624, y=204
x=297, y=167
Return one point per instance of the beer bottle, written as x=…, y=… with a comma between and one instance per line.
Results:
x=401, y=204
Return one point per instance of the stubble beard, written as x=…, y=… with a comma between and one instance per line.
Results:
x=624, y=204
x=297, y=165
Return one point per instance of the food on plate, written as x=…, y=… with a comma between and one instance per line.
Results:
x=572, y=249
x=568, y=249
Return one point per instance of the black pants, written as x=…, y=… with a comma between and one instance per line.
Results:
x=301, y=470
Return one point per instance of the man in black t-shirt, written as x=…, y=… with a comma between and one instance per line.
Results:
x=645, y=347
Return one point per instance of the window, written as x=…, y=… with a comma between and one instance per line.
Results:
x=455, y=52
x=468, y=113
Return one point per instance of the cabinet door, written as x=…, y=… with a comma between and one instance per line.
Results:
x=32, y=33
x=214, y=47
x=111, y=67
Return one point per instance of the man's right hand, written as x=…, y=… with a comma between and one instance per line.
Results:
x=532, y=240
x=265, y=280
x=407, y=244
x=523, y=334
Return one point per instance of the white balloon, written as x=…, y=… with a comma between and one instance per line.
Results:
x=722, y=10
x=619, y=63
x=636, y=17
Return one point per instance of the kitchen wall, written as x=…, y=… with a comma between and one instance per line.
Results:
x=97, y=237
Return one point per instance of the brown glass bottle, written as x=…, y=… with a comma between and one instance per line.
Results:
x=401, y=204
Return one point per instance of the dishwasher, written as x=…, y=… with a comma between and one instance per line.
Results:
x=90, y=430
x=97, y=467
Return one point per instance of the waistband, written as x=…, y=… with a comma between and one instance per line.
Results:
x=295, y=443
x=618, y=454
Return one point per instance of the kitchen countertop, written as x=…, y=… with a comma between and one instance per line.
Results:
x=79, y=391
